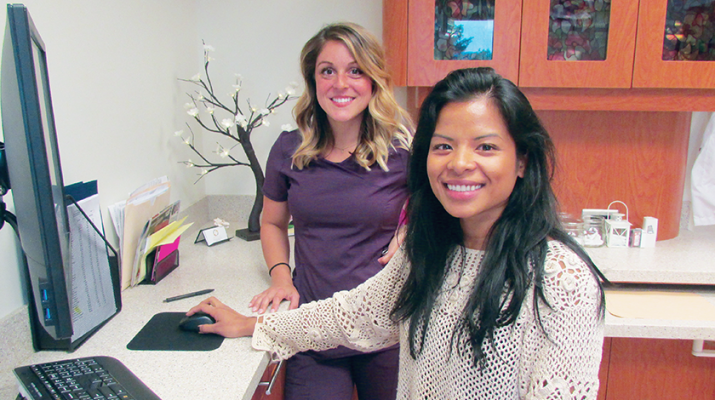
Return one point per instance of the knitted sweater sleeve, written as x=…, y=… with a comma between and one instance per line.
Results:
x=564, y=363
x=358, y=319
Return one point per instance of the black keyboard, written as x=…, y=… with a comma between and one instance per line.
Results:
x=90, y=378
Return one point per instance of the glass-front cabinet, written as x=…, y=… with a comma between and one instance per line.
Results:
x=676, y=44
x=600, y=44
x=578, y=43
x=452, y=34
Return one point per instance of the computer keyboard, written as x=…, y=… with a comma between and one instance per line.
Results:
x=89, y=378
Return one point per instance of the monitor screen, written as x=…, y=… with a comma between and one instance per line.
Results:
x=35, y=172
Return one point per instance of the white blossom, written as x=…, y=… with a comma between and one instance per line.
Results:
x=204, y=171
x=265, y=111
x=194, y=112
x=188, y=106
x=222, y=151
x=208, y=47
x=227, y=123
x=239, y=77
x=266, y=123
x=189, y=164
x=291, y=88
x=210, y=110
x=281, y=95
x=220, y=222
x=178, y=133
x=236, y=87
x=196, y=77
x=187, y=141
x=287, y=127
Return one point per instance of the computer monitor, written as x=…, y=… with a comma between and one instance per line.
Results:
x=35, y=172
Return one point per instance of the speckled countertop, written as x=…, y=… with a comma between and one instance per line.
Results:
x=236, y=271
x=687, y=261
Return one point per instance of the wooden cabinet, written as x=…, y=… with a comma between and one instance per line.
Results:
x=634, y=54
x=639, y=158
x=614, y=70
x=633, y=76
x=409, y=38
x=655, y=369
x=277, y=392
x=650, y=70
x=620, y=125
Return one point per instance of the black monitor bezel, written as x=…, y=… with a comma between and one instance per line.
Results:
x=27, y=156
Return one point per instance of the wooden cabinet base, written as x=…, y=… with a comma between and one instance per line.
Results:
x=278, y=388
x=657, y=369
x=639, y=158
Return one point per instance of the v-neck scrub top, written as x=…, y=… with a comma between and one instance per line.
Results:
x=344, y=215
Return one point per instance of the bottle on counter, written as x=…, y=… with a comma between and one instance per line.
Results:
x=593, y=231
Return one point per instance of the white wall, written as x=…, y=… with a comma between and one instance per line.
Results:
x=112, y=72
x=262, y=42
x=114, y=69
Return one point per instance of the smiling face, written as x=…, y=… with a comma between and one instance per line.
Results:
x=342, y=89
x=472, y=165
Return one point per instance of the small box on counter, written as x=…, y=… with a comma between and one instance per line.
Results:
x=635, y=239
x=650, y=231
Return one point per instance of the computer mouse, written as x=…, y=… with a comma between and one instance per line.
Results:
x=191, y=323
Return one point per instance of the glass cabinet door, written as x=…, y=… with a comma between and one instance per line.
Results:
x=676, y=44
x=445, y=35
x=578, y=43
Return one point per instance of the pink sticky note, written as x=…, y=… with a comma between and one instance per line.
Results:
x=167, y=249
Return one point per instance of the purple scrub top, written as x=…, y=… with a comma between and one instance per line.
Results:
x=344, y=215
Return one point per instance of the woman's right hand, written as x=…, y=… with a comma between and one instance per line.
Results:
x=278, y=292
x=229, y=323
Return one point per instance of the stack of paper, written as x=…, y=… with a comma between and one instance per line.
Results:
x=91, y=293
x=145, y=213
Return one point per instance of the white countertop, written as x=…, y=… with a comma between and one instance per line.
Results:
x=688, y=258
x=236, y=271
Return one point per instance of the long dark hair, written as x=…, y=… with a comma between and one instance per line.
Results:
x=516, y=245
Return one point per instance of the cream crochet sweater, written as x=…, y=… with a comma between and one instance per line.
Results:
x=523, y=363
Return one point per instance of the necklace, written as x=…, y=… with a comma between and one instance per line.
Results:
x=345, y=149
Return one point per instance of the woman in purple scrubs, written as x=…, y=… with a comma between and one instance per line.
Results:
x=341, y=177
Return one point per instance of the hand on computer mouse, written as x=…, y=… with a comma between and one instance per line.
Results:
x=193, y=322
x=229, y=323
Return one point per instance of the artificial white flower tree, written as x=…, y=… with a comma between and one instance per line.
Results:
x=235, y=124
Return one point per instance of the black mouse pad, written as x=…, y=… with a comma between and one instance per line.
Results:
x=162, y=333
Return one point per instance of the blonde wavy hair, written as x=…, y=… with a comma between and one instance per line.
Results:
x=384, y=122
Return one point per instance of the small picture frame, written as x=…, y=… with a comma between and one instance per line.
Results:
x=213, y=235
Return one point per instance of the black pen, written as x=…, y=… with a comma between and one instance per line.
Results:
x=187, y=295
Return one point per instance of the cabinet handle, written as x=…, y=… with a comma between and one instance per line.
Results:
x=698, y=350
x=273, y=378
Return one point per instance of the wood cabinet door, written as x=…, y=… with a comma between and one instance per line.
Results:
x=650, y=70
x=424, y=70
x=539, y=31
x=656, y=369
